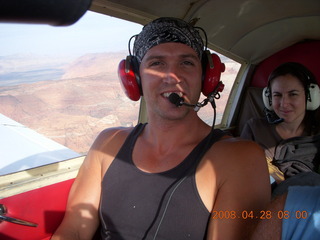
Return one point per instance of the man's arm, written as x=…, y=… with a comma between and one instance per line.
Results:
x=81, y=219
x=271, y=228
x=243, y=190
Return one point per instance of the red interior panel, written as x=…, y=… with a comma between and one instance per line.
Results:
x=44, y=206
x=306, y=53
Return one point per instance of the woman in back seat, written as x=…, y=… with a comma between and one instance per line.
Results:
x=291, y=99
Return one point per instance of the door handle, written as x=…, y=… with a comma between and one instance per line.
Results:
x=3, y=217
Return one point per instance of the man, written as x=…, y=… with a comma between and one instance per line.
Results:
x=146, y=182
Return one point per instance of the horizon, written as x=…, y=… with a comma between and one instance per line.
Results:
x=93, y=33
x=36, y=52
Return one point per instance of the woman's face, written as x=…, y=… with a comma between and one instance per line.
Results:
x=288, y=98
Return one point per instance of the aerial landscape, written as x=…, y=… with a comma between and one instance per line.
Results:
x=71, y=100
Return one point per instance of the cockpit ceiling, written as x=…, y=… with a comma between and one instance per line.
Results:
x=244, y=30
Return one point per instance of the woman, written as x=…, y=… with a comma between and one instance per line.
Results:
x=291, y=100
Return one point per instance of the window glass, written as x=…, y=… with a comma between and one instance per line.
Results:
x=59, y=88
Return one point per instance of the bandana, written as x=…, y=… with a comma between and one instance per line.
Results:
x=164, y=30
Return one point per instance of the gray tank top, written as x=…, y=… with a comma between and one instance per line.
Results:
x=139, y=205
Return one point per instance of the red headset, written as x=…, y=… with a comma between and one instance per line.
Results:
x=128, y=72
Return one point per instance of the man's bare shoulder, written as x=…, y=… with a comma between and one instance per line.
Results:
x=236, y=145
x=108, y=142
x=111, y=135
x=115, y=131
x=237, y=154
x=106, y=146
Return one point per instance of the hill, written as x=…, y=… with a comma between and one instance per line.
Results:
x=74, y=109
x=85, y=97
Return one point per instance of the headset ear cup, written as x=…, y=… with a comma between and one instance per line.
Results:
x=212, y=71
x=313, y=101
x=266, y=98
x=129, y=79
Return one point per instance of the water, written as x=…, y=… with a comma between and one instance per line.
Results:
x=16, y=78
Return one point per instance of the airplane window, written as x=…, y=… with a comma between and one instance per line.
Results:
x=59, y=88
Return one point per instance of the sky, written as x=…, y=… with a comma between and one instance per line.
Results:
x=92, y=33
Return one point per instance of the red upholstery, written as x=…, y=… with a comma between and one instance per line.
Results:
x=306, y=53
x=44, y=206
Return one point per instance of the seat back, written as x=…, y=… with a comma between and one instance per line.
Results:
x=306, y=53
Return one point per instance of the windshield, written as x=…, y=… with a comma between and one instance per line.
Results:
x=59, y=88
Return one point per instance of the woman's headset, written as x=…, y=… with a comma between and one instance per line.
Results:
x=128, y=72
x=312, y=89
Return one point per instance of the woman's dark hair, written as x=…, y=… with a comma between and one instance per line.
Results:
x=306, y=77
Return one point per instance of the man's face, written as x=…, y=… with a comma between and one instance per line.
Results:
x=167, y=68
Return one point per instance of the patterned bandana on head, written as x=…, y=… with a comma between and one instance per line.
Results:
x=164, y=30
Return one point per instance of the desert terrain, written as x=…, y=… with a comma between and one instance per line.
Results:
x=72, y=102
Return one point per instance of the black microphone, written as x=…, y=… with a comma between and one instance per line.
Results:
x=272, y=118
x=276, y=121
x=175, y=99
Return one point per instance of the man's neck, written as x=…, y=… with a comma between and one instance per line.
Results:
x=175, y=133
